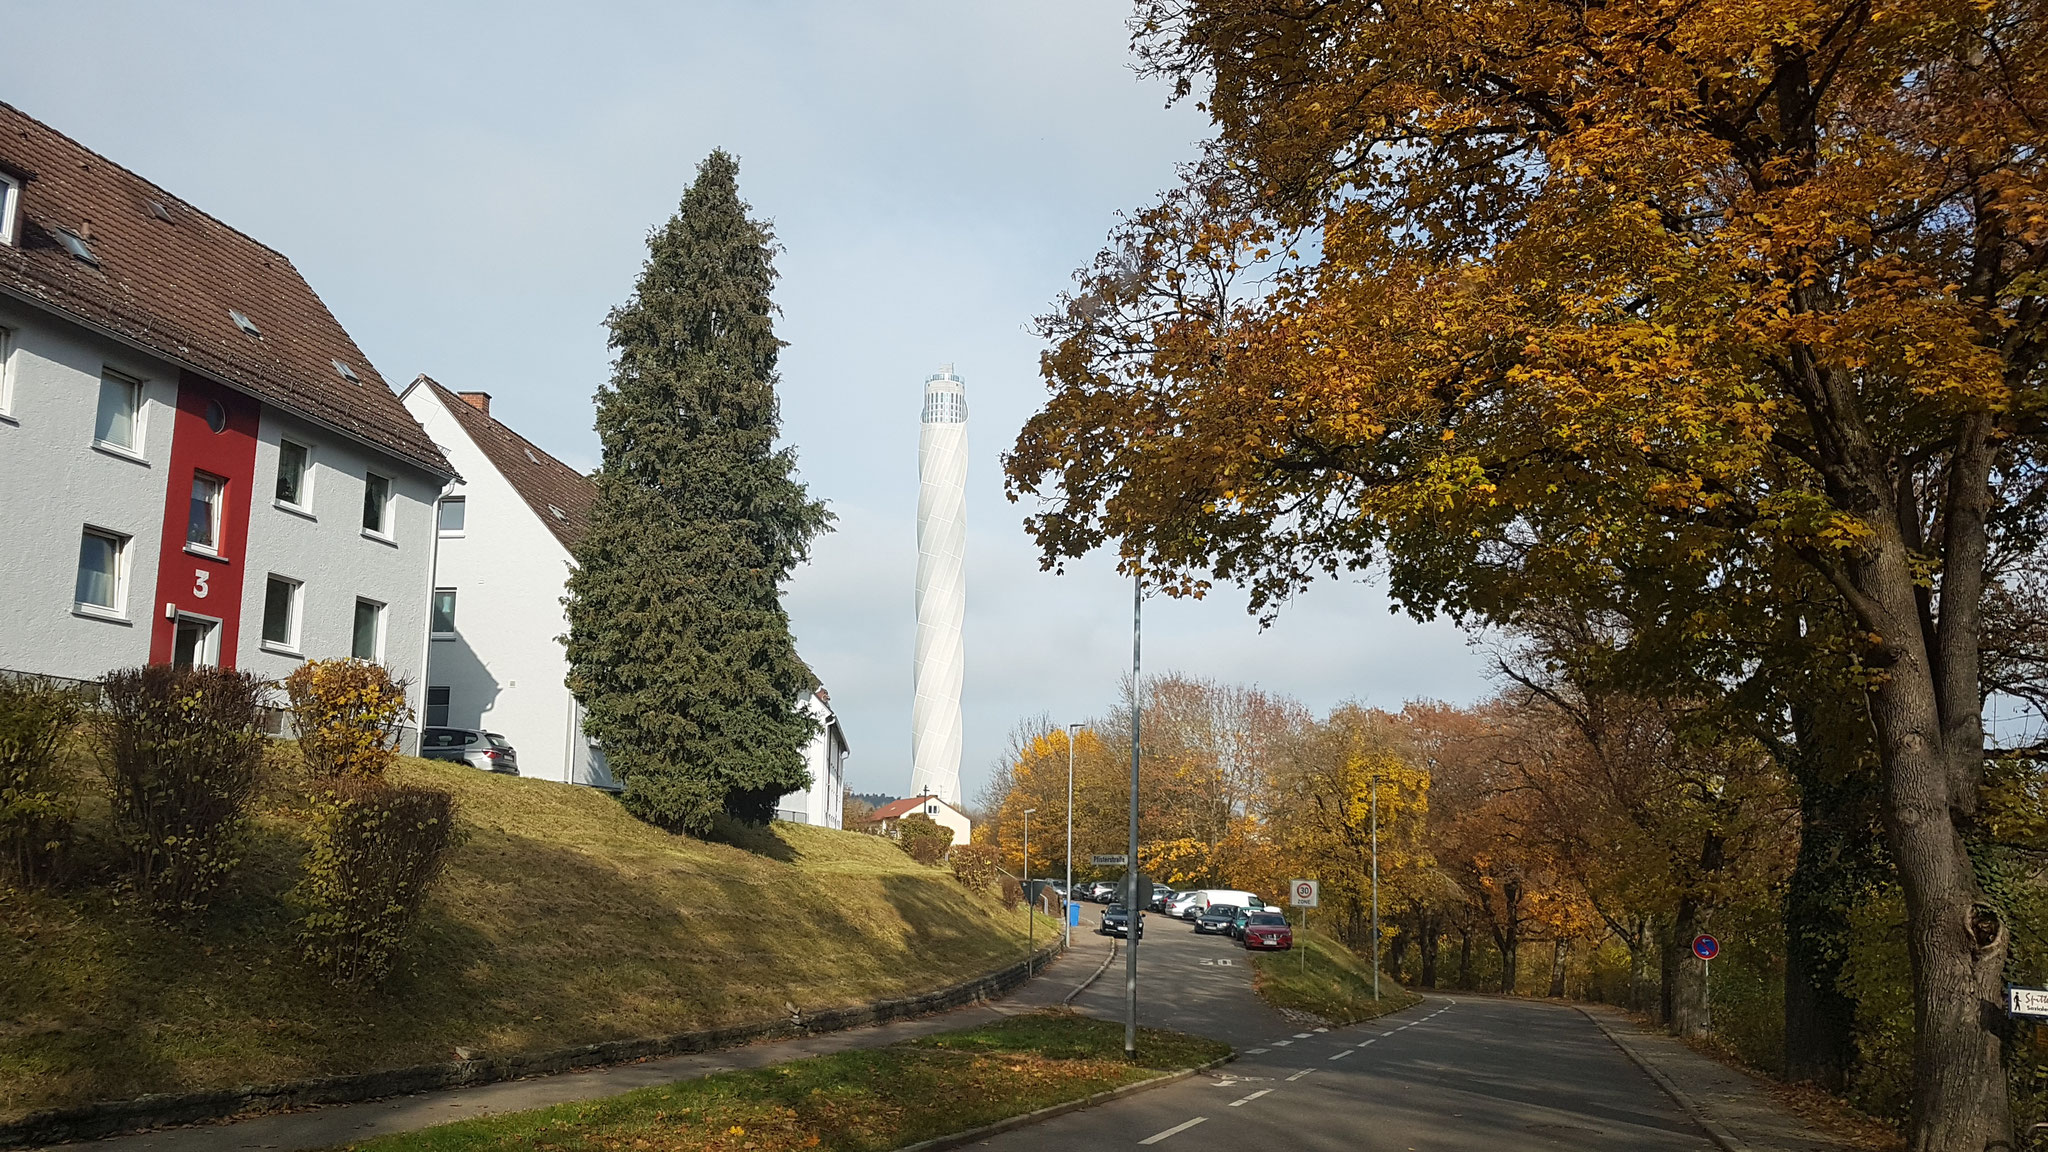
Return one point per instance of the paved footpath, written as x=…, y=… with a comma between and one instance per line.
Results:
x=340, y=1123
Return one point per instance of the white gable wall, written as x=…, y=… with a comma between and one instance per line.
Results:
x=825, y=758
x=505, y=669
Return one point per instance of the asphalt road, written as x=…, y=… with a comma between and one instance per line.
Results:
x=1454, y=1074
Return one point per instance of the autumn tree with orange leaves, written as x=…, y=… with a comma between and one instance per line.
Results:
x=1465, y=280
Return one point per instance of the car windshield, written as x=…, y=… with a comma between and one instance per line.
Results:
x=1113, y=910
x=1222, y=911
x=1268, y=920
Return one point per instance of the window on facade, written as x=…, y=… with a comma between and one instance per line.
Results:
x=120, y=412
x=454, y=509
x=291, y=473
x=443, y=613
x=6, y=371
x=10, y=201
x=437, y=707
x=99, y=569
x=369, y=630
x=202, y=525
x=281, y=612
x=376, y=504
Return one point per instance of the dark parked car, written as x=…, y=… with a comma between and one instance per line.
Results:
x=1160, y=895
x=485, y=750
x=1117, y=922
x=1266, y=931
x=1218, y=918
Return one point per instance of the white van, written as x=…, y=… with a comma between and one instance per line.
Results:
x=1192, y=904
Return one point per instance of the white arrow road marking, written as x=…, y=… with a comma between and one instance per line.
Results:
x=1249, y=1099
x=1173, y=1131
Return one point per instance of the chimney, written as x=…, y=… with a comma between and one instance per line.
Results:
x=481, y=401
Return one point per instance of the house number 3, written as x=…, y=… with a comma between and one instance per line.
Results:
x=199, y=576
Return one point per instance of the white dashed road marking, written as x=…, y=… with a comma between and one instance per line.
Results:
x=1300, y=1074
x=1282, y=1043
x=1175, y=1130
x=1256, y=1051
x=1344, y=1053
x=1303, y=1035
x=1250, y=1098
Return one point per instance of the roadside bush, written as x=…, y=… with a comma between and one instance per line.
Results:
x=181, y=753
x=923, y=838
x=376, y=851
x=974, y=865
x=348, y=714
x=35, y=808
x=1012, y=891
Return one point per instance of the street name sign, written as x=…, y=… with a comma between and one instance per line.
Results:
x=1304, y=893
x=2027, y=1002
x=1705, y=947
x=1109, y=861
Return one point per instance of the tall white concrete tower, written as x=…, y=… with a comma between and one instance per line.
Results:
x=941, y=588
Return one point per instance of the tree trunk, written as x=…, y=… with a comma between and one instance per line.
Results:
x=1560, y=953
x=1927, y=714
x=1432, y=935
x=1465, y=957
x=1507, y=933
x=1397, y=952
x=1639, y=992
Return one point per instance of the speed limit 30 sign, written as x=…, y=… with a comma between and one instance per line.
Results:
x=1303, y=893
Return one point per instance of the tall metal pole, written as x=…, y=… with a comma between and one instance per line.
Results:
x=1066, y=914
x=1134, y=909
x=1375, y=887
x=1030, y=920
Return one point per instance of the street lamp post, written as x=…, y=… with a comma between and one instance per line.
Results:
x=1067, y=897
x=1030, y=921
x=1375, y=886
x=1133, y=909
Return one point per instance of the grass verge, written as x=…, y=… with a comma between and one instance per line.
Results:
x=560, y=921
x=869, y=1099
x=1336, y=983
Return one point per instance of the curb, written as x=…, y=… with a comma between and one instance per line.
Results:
x=1083, y=985
x=1029, y=1118
x=79, y=1122
x=1726, y=1140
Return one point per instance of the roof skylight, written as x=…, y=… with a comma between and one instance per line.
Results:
x=157, y=209
x=531, y=456
x=75, y=244
x=347, y=373
x=557, y=512
x=245, y=324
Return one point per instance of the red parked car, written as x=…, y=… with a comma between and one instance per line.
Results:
x=1267, y=932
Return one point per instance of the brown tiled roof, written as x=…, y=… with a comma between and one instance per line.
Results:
x=168, y=285
x=545, y=483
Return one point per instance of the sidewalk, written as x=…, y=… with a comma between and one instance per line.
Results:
x=341, y=1123
x=1734, y=1107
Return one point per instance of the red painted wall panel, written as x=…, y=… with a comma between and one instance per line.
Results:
x=199, y=584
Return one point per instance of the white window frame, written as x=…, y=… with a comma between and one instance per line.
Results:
x=219, y=508
x=7, y=374
x=447, y=533
x=305, y=505
x=376, y=642
x=118, y=610
x=453, y=602
x=10, y=207
x=383, y=532
x=446, y=706
x=137, y=426
x=296, y=610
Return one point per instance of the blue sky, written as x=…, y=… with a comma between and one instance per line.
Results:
x=470, y=186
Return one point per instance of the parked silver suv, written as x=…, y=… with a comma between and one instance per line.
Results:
x=486, y=750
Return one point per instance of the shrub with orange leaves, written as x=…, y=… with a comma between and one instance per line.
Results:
x=348, y=714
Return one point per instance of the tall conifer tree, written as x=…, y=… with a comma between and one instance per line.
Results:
x=679, y=648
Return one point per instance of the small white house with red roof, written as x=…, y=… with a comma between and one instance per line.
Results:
x=888, y=816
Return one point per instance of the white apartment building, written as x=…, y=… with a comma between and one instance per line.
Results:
x=505, y=535
x=200, y=465
x=825, y=757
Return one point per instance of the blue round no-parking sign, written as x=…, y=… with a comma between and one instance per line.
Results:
x=1705, y=947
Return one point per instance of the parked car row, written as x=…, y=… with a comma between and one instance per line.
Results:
x=1240, y=915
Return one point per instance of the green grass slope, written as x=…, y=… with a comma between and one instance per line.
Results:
x=561, y=920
